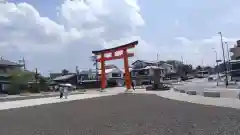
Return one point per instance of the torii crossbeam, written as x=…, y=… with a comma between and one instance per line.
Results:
x=113, y=56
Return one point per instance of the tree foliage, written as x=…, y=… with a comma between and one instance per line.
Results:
x=19, y=81
x=198, y=68
x=65, y=72
x=43, y=83
x=187, y=69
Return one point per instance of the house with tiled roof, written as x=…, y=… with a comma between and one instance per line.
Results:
x=5, y=67
x=142, y=71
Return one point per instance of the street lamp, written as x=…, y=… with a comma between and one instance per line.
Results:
x=224, y=61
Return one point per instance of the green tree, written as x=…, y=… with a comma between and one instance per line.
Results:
x=65, y=72
x=198, y=68
x=43, y=83
x=19, y=81
x=187, y=69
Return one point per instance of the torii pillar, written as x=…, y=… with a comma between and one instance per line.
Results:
x=124, y=55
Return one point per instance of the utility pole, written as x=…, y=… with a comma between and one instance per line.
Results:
x=182, y=59
x=157, y=56
x=224, y=61
x=228, y=55
x=23, y=62
x=77, y=73
x=36, y=74
x=217, y=66
x=202, y=68
x=37, y=79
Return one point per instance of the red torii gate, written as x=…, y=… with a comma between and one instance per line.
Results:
x=113, y=56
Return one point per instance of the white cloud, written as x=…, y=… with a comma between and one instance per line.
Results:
x=22, y=27
x=194, y=51
x=85, y=26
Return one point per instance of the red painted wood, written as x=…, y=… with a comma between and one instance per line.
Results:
x=116, y=57
x=119, y=48
x=113, y=54
x=127, y=73
x=103, y=75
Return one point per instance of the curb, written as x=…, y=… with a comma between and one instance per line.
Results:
x=211, y=94
x=177, y=90
x=182, y=91
x=191, y=92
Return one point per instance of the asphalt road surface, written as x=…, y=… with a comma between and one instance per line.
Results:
x=124, y=114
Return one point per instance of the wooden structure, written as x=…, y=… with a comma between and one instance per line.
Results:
x=113, y=56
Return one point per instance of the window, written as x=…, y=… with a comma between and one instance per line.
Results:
x=116, y=75
x=143, y=72
x=134, y=74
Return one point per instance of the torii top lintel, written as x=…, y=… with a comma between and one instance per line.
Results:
x=126, y=46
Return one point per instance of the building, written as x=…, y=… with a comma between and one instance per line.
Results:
x=236, y=51
x=113, y=73
x=143, y=71
x=235, y=62
x=235, y=70
x=70, y=78
x=87, y=75
x=177, y=65
x=141, y=64
x=5, y=67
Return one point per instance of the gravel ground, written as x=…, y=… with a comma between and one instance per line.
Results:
x=124, y=114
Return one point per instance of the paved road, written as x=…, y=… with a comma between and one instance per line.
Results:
x=201, y=85
x=125, y=114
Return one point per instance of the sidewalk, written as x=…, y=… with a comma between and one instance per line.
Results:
x=55, y=99
x=4, y=98
x=222, y=102
x=171, y=94
x=23, y=96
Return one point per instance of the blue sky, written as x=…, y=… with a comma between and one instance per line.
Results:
x=172, y=28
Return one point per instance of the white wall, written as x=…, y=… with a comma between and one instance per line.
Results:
x=118, y=71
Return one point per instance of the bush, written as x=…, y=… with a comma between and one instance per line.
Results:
x=34, y=88
x=13, y=90
x=19, y=81
x=43, y=85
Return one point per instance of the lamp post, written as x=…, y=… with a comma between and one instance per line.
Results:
x=224, y=61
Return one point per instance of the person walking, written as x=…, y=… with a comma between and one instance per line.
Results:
x=65, y=92
x=133, y=86
x=61, y=91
